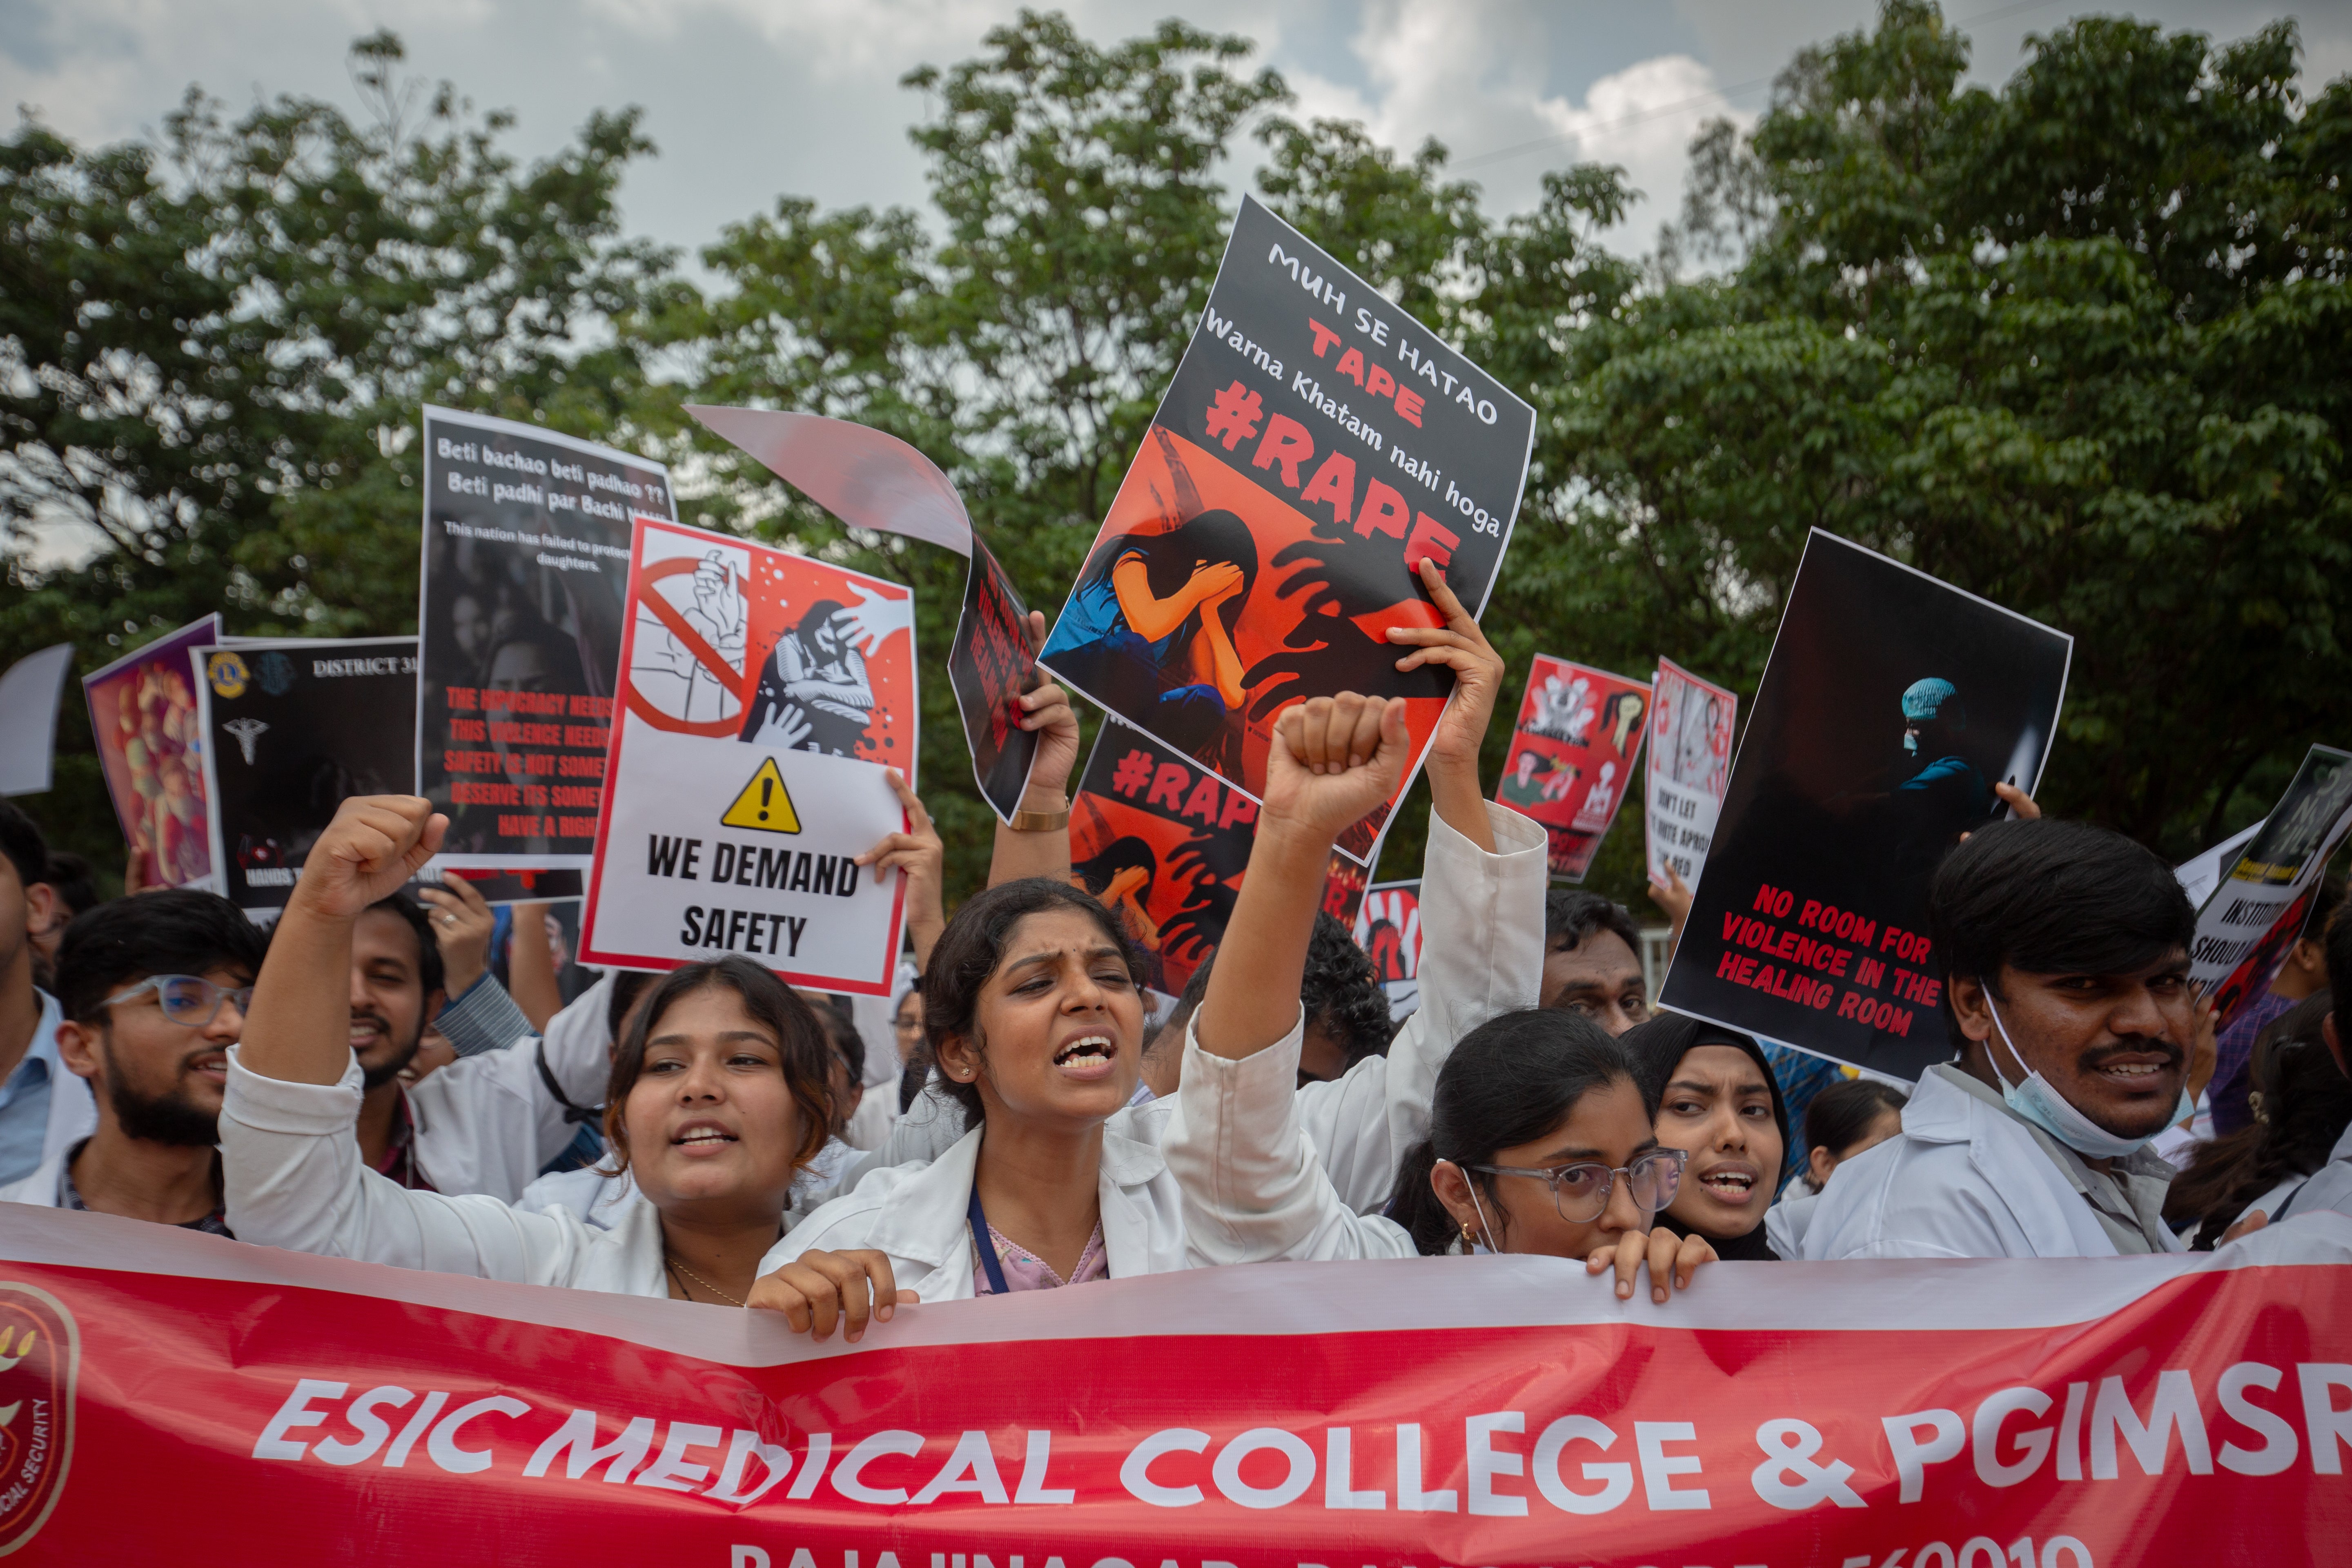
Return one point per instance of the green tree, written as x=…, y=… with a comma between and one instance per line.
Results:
x=1080, y=219
x=219, y=344
x=2075, y=345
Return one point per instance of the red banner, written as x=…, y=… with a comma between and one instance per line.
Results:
x=167, y=1397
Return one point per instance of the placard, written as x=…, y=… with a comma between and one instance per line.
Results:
x=1690, y=767
x=1388, y=927
x=1162, y=843
x=1891, y=705
x=1315, y=444
x=520, y=608
x=989, y=665
x=1572, y=757
x=2254, y=917
x=28, y=717
x=746, y=769
x=150, y=741
x=291, y=731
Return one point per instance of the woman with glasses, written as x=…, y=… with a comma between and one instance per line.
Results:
x=1539, y=1139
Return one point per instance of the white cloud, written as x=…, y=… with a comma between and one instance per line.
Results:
x=1472, y=74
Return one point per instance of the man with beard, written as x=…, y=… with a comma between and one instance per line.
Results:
x=484, y=1123
x=2067, y=951
x=396, y=987
x=153, y=991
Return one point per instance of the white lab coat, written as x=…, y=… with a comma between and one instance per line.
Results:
x=2330, y=1186
x=1961, y=1180
x=600, y=1199
x=1787, y=1221
x=918, y=1214
x=291, y=1173
x=486, y=1124
x=1253, y=1187
x=1239, y=1183
x=1482, y=921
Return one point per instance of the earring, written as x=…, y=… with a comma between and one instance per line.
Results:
x=1467, y=1239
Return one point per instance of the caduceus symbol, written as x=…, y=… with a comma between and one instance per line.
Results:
x=247, y=730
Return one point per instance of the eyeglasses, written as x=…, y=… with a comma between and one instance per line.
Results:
x=188, y=1000
x=1581, y=1192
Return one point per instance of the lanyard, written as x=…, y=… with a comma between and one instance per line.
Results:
x=988, y=1259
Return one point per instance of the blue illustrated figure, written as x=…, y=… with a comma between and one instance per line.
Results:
x=1941, y=794
x=1149, y=632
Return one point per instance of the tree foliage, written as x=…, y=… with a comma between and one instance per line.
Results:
x=2074, y=344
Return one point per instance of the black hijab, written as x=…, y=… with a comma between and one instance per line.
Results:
x=1658, y=1047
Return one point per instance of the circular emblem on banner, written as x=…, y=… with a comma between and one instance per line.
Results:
x=227, y=673
x=40, y=1354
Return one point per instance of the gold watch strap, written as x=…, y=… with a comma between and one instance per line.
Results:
x=1040, y=821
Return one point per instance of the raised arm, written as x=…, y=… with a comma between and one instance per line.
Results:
x=531, y=968
x=1454, y=790
x=290, y=1166
x=1333, y=760
x=1044, y=711
x=1252, y=1187
x=300, y=1026
x=918, y=852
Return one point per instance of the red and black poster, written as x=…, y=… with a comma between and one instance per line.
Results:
x=1891, y=705
x=526, y=566
x=1316, y=442
x=1388, y=927
x=1163, y=842
x=1572, y=756
x=989, y=665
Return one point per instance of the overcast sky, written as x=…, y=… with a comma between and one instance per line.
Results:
x=752, y=99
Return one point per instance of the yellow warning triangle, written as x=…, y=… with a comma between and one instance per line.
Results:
x=764, y=804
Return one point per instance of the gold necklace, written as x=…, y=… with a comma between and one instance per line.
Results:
x=678, y=1268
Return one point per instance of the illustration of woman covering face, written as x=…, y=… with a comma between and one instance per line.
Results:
x=814, y=692
x=1149, y=631
x=1121, y=879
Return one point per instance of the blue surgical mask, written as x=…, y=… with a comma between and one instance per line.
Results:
x=2038, y=1101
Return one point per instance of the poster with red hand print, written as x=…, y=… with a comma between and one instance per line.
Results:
x=1572, y=756
x=1163, y=843
x=1316, y=442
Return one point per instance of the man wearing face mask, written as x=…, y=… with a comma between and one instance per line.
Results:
x=2066, y=948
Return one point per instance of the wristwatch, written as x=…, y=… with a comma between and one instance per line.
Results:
x=1040, y=821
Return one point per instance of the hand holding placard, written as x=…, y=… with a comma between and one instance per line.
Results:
x=918, y=852
x=1047, y=713
x=1461, y=646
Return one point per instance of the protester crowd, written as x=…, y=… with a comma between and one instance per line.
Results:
x=711, y=1134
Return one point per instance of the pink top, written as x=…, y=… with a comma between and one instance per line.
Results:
x=1024, y=1270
